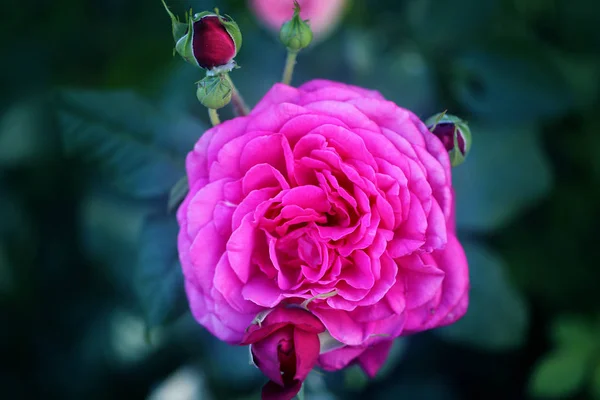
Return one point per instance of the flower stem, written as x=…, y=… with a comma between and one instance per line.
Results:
x=214, y=117
x=239, y=105
x=290, y=62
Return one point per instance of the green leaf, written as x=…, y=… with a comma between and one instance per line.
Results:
x=504, y=173
x=354, y=378
x=448, y=24
x=24, y=133
x=416, y=387
x=131, y=143
x=497, y=317
x=574, y=332
x=595, y=382
x=158, y=278
x=110, y=226
x=559, y=374
x=7, y=279
x=509, y=89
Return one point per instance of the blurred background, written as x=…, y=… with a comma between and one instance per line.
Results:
x=96, y=117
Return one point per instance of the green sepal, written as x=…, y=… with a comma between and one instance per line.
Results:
x=179, y=28
x=184, y=45
x=234, y=31
x=198, y=16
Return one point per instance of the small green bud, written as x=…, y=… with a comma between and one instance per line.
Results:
x=214, y=92
x=454, y=134
x=296, y=34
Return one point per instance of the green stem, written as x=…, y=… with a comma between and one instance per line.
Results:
x=290, y=62
x=214, y=117
x=239, y=105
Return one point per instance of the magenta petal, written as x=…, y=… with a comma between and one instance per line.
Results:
x=345, y=112
x=436, y=229
x=373, y=358
x=262, y=291
x=307, y=197
x=240, y=248
x=266, y=354
x=205, y=151
x=254, y=153
x=261, y=176
x=278, y=94
x=274, y=391
x=297, y=317
x=216, y=316
x=306, y=345
x=340, y=358
x=228, y=284
x=421, y=282
x=359, y=275
x=450, y=304
x=204, y=254
x=200, y=208
x=256, y=333
x=342, y=327
x=317, y=85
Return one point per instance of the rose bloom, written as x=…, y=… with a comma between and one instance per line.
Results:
x=323, y=15
x=326, y=195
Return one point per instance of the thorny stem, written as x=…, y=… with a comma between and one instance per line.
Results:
x=290, y=62
x=239, y=105
x=214, y=117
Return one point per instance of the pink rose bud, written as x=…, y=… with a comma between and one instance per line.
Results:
x=285, y=346
x=208, y=40
x=323, y=15
x=454, y=134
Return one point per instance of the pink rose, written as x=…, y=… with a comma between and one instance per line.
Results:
x=285, y=346
x=323, y=15
x=329, y=195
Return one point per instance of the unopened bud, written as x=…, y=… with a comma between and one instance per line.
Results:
x=207, y=40
x=214, y=92
x=296, y=34
x=454, y=134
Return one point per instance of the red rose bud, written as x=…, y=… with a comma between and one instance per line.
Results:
x=209, y=40
x=285, y=346
x=454, y=134
x=296, y=34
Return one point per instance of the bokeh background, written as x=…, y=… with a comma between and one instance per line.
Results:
x=96, y=117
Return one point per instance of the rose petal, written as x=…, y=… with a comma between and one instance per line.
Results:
x=373, y=358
